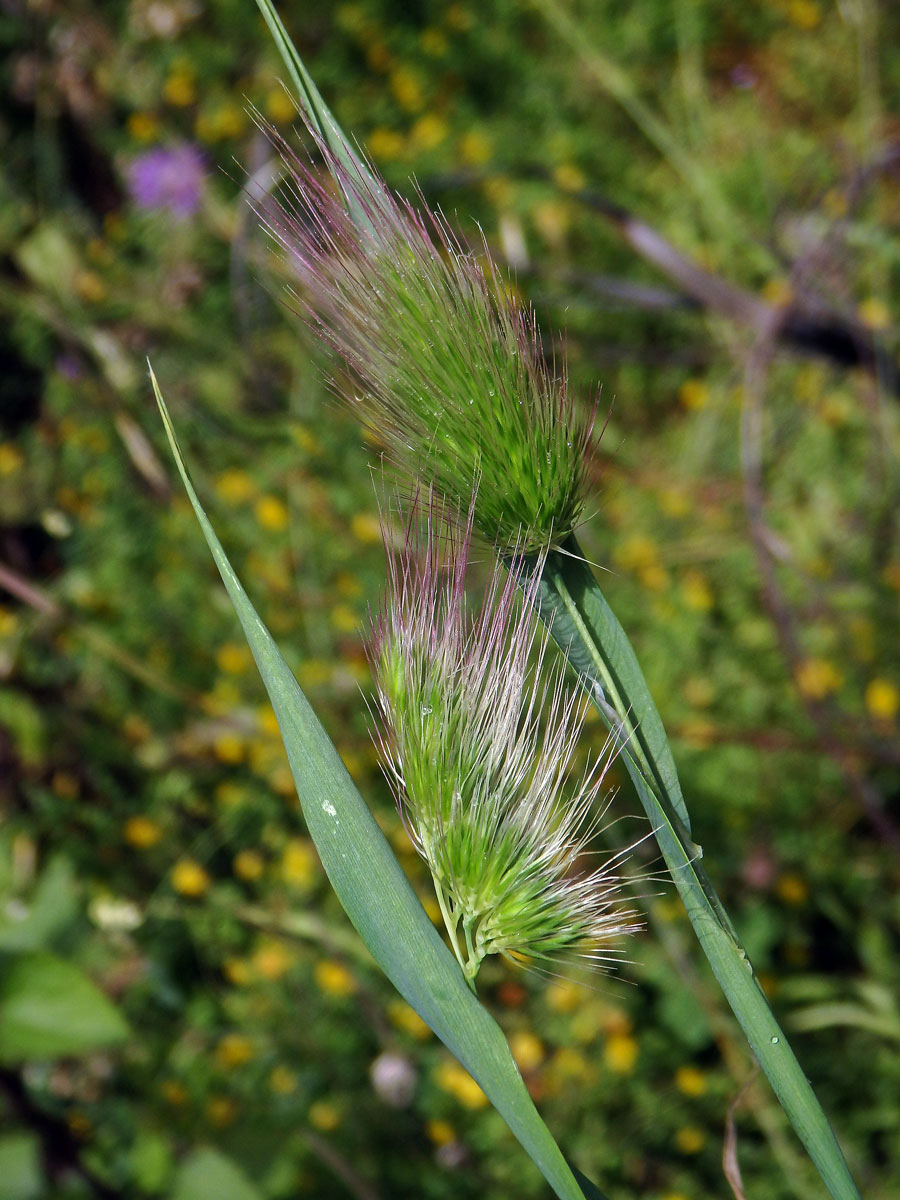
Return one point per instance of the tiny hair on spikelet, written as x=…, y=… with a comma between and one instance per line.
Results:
x=479, y=752
x=450, y=371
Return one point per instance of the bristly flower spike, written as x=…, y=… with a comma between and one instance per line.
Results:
x=450, y=370
x=479, y=753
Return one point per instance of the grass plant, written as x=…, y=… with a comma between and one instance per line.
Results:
x=452, y=374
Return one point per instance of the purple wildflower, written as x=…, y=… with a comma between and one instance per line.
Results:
x=168, y=178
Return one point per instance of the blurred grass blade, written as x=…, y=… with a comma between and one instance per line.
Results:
x=374, y=891
x=317, y=111
x=619, y=85
x=586, y=629
x=316, y=108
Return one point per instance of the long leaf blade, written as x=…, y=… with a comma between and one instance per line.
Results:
x=318, y=113
x=375, y=892
x=586, y=629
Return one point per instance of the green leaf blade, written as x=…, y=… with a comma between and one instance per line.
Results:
x=375, y=892
x=586, y=629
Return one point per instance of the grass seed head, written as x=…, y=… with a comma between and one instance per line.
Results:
x=450, y=370
x=480, y=755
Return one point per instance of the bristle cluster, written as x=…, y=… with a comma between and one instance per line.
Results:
x=480, y=753
x=451, y=371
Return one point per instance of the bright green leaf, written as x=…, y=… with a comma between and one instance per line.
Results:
x=21, y=1177
x=49, y=1008
x=207, y=1173
x=31, y=922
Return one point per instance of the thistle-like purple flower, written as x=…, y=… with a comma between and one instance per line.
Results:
x=479, y=753
x=450, y=370
x=169, y=178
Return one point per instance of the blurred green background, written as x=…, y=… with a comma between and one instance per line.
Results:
x=701, y=200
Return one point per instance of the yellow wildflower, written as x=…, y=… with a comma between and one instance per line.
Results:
x=428, y=132
x=696, y=591
x=280, y=108
x=350, y=18
x=11, y=459
x=234, y=1050
x=673, y=502
x=141, y=832
x=90, y=287
x=249, y=865
x=221, y=1111
x=229, y=748
x=347, y=585
x=272, y=513
x=693, y=394
x=179, y=88
x=267, y=721
x=407, y=1019
x=635, y=552
x=365, y=527
x=569, y=177
x=235, y=486
x=314, y=672
x=452, y=1078
x=407, y=89
x=386, y=144
x=551, y=218
x=563, y=996
x=527, y=1050
x=699, y=691
x=434, y=42
x=459, y=18
x=143, y=127
x=378, y=56
x=299, y=864
x=64, y=783
x=777, y=291
x=334, y=978
x=282, y=1081
x=344, y=619
x=234, y=658
x=690, y=1081
x=189, y=878
x=174, y=1092
x=570, y=1064
x=874, y=314
x=792, y=889
x=690, y=1140
x=441, y=1133
x=238, y=971
x=620, y=1054
x=882, y=699
x=229, y=794
x=804, y=14
x=79, y=1123
x=817, y=678
x=654, y=577
x=324, y=1116
x=218, y=124
x=272, y=960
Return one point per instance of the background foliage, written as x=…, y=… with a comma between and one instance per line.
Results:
x=184, y=1011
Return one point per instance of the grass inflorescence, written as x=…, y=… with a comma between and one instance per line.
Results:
x=451, y=370
x=480, y=753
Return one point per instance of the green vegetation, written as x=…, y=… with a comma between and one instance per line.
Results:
x=703, y=200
